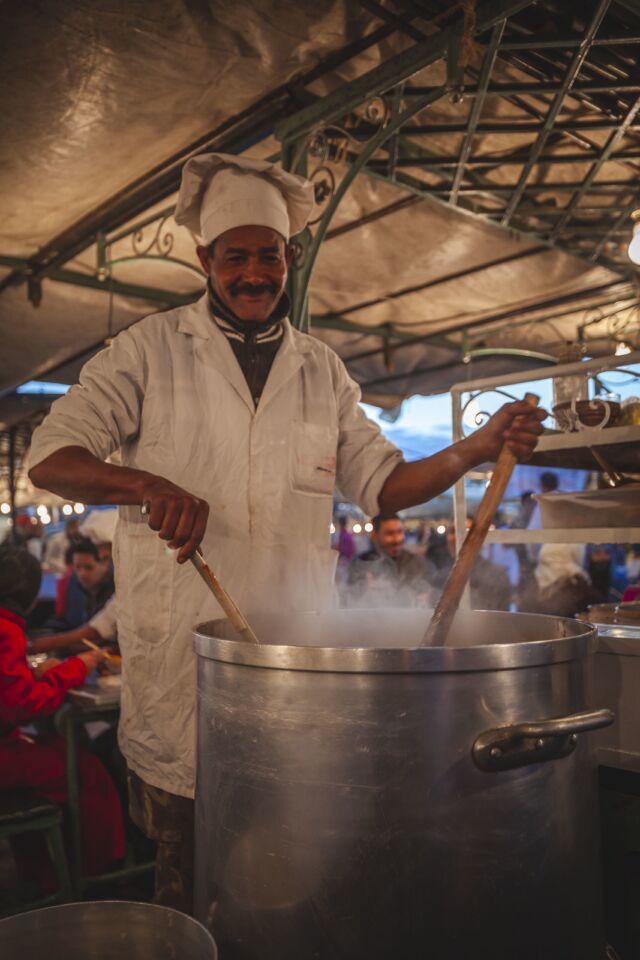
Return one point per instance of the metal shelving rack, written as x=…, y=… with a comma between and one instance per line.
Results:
x=557, y=449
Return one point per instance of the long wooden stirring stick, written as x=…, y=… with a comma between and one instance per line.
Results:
x=438, y=630
x=237, y=619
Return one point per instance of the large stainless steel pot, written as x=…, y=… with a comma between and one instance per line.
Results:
x=105, y=930
x=361, y=797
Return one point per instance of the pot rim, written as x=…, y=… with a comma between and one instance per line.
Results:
x=573, y=640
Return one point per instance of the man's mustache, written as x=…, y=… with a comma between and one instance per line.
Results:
x=253, y=290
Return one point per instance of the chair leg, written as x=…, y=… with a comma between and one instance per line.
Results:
x=57, y=853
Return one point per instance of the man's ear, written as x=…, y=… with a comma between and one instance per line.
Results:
x=205, y=258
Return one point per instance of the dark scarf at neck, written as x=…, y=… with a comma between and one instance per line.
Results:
x=260, y=330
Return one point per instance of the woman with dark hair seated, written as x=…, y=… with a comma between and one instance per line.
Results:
x=40, y=763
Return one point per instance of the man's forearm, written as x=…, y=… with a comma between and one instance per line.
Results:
x=176, y=515
x=75, y=474
x=60, y=641
x=413, y=483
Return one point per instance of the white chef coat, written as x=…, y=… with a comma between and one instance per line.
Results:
x=169, y=393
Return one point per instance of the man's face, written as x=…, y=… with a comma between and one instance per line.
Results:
x=89, y=571
x=248, y=270
x=389, y=538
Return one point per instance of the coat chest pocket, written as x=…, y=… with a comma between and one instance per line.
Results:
x=313, y=458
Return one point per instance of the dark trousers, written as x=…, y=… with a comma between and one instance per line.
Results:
x=167, y=819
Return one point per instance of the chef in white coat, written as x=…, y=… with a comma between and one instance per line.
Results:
x=233, y=428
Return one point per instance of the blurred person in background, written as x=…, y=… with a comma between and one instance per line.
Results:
x=388, y=575
x=39, y=762
x=489, y=583
x=86, y=590
x=521, y=522
x=58, y=545
x=344, y=543
x=560, y=586
x=27, y=533
x=101, y=629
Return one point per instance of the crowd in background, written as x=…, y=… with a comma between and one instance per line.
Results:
x=402, y=568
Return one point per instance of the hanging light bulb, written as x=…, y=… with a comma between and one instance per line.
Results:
x=5, y=508
x=357, y=528
x=78, y=507
x=67, y=509
x=634, y=246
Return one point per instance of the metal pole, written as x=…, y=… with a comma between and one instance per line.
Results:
x=12, y=483
x=294, y=158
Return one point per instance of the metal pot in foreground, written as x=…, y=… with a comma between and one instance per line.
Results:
x=361, y=797
x=105, y=930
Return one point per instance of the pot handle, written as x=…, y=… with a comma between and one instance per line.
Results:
x=519, y=744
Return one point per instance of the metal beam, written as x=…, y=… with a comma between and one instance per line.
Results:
x=476, y=108
x=394, y=71
x=76, y=278
x=419, y=188
x=532, y=89
x=557, y=212
x=587, y=184
x=511, y=127
x=398, y=23
x=429, y=284
x=546, y=43
x=486, y=162
x=603, y=186
x=510, y=314
x=386, y=331
x=372, y=217
x=571, y=74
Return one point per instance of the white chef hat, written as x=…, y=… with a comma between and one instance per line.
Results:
x=220, y=191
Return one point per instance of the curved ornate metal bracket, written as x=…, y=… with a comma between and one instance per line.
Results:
x=161, y=240
x=480, y=417
x=318, y=146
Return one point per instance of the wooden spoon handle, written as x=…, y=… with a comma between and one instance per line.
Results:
x=236, y=618
x=447, y=607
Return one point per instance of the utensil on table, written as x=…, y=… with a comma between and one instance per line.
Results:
x=94, y=646
x=237, y=619
x=438, y=630
x=613, y=478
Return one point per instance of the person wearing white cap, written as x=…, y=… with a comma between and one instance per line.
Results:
x=234, y=429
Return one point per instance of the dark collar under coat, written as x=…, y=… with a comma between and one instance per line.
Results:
x=215, y=351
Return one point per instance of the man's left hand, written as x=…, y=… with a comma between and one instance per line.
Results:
x=516, y=425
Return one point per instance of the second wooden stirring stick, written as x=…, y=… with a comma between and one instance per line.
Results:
x=438, y=630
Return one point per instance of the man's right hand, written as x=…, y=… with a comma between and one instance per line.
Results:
x=177, y=516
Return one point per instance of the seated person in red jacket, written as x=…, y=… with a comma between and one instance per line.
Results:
x=39, y=762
